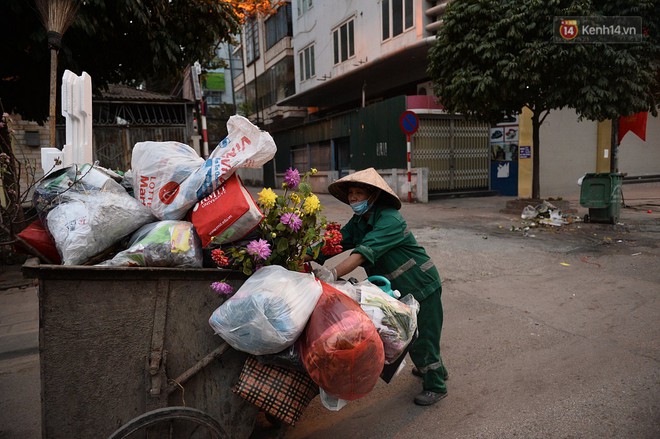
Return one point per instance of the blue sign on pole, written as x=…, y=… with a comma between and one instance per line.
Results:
x=409, y=122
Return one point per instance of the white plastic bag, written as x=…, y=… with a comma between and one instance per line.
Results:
x=268, y=312
x=330, y=402
x=170, y=177
x=246, y=146
x=159, y=170
x=84, y=224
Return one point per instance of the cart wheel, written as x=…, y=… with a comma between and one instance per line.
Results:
x=171, y=422
x=586, y=218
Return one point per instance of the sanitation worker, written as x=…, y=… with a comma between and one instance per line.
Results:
x=381, y=243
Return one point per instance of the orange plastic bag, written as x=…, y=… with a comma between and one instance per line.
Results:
x=340, y=348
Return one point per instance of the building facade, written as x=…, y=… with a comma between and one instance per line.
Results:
x=331, y=80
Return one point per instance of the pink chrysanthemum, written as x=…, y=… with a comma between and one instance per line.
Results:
x=292, y=178
x=292, y=220
x=259, y=248
x=222, y=288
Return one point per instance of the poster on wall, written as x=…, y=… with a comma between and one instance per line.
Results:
x=504, y=140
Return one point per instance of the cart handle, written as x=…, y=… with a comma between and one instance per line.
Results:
x=201, y=364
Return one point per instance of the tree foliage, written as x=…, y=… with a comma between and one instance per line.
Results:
x=115, y=41
x=493, y=58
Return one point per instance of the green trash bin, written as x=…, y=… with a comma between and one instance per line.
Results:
x=601, y=194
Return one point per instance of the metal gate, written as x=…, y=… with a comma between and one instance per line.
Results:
x=114, y=145
x=456, y=152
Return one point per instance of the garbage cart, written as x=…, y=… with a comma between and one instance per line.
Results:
x=601, y=193
x=115, y=343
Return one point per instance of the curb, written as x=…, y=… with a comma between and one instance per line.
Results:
x=16, y=345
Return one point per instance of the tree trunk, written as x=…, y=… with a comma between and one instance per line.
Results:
x=536, y=125
x=614, y=158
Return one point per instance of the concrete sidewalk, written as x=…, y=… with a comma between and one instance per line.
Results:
x=19, y=314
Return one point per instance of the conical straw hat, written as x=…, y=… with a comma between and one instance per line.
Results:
x=368, y=177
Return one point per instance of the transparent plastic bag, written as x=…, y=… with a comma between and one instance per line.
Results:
x=395, y=320
x=269, y=312
x=161, y=244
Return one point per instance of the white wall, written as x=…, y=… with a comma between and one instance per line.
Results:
x=316, y=26
x=567, y=151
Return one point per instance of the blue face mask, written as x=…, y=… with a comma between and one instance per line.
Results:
x=361, y=207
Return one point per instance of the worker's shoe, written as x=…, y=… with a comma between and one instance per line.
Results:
x=429, y=398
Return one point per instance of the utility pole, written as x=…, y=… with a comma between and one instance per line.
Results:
x=199, y=97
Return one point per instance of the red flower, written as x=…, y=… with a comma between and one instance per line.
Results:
x=332, y=240
x=219, y=257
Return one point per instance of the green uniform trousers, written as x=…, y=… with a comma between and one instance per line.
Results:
x=425, y=352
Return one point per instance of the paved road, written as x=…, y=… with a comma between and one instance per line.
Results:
x=552, y=333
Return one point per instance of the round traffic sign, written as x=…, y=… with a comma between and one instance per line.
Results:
x=409, y=122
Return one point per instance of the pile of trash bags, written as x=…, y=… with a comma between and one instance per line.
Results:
x=342, y=334
x=157, y=213
x=171, y=205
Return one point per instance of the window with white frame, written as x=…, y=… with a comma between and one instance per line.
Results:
x=303, y=6
x=398, y=17
x=344, y=41
x=306, y=63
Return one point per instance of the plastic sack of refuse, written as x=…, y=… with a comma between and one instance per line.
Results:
x=340, y=348
x=170, y=177
x=395, y=320
x=85, y=224
x=246, y=146
x=159, y=171
x=268, y=312
x=161, y=244
x=49, y=192
x=227, y=215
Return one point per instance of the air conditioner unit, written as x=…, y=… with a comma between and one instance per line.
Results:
x=425, y=88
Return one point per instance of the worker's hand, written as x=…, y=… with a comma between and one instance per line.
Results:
x=325, y=274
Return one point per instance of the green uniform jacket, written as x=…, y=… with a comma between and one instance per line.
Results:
x=391, y=251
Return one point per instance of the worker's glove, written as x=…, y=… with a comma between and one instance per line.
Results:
x=325, y=274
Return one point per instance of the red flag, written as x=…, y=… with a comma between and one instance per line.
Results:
x=635, y=123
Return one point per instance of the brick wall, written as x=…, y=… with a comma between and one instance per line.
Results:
x=24, y=132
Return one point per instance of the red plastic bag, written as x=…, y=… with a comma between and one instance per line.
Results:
x=340, y=348
x=38, y=237
x=227, y=215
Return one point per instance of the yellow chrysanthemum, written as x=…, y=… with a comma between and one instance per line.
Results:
x=267, y=198
x=294, y=198
x=311, y=204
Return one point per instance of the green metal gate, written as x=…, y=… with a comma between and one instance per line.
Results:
x=456, y=152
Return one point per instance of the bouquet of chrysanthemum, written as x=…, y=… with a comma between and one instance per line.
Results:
x=292, y=224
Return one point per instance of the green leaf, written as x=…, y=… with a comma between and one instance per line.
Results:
x=282, y=245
